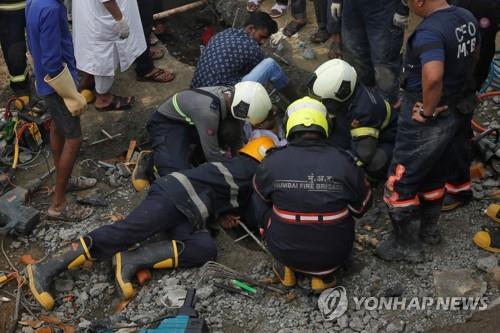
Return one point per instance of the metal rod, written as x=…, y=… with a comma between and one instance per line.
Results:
x=178, y=10
x=255, y=238
x=241, y=238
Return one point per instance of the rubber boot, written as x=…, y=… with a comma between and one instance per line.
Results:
x=453, y=201
x=41, y=274
x=429, y=217
x=488, y=239
x=404, y=243
x=285, y=274
x=142, y=174
x=161, y=255
x=320, y=283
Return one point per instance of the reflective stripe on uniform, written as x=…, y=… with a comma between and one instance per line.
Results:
x=454, y=189
x=363, y=204
x=296, y=217
x=228, y=177
x=19, y=78
x=434, y=195
x=388, y=115
x=202, y=208
x=179, y=111
x=12, y=6
x=365, y=131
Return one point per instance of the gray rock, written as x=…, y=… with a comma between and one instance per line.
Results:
x=458, y=283
x=478, y=195
x=395, y=327
x=15, y=244
x=487, y=263
x=490, y=182
x=356, y=324
x=343, y=322
x=67, y=234
x=309, y=54
x=64, y=285
x=174, y=297
x=204, y=292
x=98, y=288
x=27, y=329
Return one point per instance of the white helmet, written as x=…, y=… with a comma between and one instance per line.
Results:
x=334, y=79
x=251, y=102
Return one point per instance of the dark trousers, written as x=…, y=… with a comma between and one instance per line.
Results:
x=144, y=63
x=422, y=160
x=154, y=215
x=298, y=8
x=12, y=24
x=171, y=142
x=372, y=44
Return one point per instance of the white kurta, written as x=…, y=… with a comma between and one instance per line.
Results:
x=98, y=47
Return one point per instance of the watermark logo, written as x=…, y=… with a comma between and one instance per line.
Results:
x=333, y=303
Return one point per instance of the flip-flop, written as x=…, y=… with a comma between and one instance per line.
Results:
x=292, y=28
x=157, y=76
x=118, y=103
x=71, y=213
x=320, y=36
x=156, y=53
x=80, y=183
x=278, y=10
x=253, y=6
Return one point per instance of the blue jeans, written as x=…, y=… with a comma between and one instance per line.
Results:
x=372, y=44
x=268, y=71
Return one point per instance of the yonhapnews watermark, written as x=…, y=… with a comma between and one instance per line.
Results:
x=333, y=303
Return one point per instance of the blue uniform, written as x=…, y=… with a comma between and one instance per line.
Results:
x=426, y=154
x=183, y=204
x=309, y=225
x=49, y=41
x=366, y=115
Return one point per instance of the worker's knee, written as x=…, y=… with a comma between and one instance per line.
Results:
x=198, y=249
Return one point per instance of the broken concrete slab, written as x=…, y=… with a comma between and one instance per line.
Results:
x=458, y=283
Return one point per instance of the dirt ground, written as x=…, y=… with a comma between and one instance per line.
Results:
x=243, y=256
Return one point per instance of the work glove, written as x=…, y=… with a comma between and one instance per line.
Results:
x=122, y=28
x=336, y=9
x=64, y=85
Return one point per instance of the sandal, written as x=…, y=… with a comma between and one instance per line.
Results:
x=157, y=75
x=80, y=183
x=320, y=36
x=70, y=213
x=253, y=6
x=292, y=28
x=156, y=53
x=278, y=10
x=118, y=103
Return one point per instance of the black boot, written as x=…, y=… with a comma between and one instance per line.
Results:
x=161, y=255
x=143, y=171
x=429, y=217
x=41, y=274
x=404, y=243
x=453, y=201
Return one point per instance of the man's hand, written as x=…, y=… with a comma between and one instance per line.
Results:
x=336, y=9
x=418, y=110
x=122, y=28
x=229, y=221
x=400, y=21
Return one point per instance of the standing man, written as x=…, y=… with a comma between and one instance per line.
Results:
x=51, y=47
x=309, y=191
x=108, y=34
x=372, y=37
x=234, y=55
x=437, y=103
x=12, y=24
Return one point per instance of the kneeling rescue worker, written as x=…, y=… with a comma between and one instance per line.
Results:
x=306, y=209
x=183, y=204
x=209, y=117
x=364, y=121
x=436, y=106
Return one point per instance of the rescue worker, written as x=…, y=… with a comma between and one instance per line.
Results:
x=365, y=123
x=210, y=117
x=372, y=37
x=13, y=41
x=306, y=209
x=183, y=204
x=437, y=103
